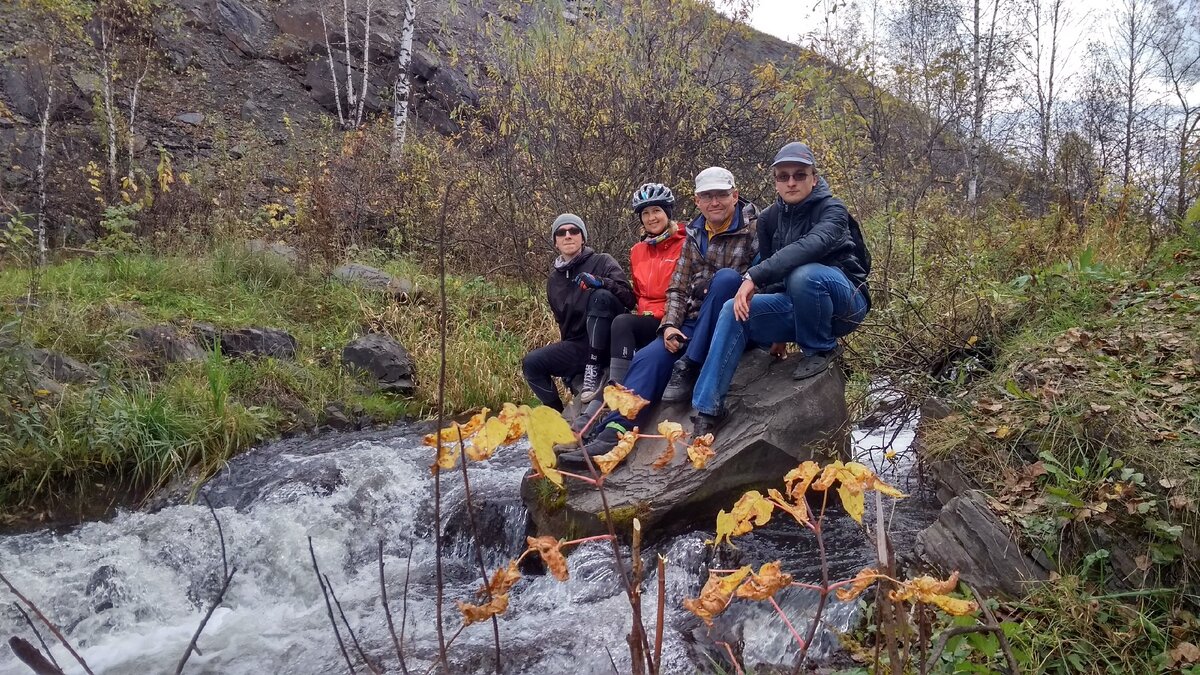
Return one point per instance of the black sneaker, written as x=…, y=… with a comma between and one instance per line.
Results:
x=593, y=383
x=603, y=442
x=703, y=423
x=683, y=380
x=816, y=364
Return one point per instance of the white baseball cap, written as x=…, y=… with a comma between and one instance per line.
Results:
x=714, y=178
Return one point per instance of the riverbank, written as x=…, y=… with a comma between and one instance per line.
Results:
x=130, y=420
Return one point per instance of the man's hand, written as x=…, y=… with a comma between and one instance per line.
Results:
x=673, y=339
x=587, y=280
x=779, y=350
x=741, y=300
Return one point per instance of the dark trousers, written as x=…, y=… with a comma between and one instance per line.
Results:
x=631, y=332
x=567, y=359
x=651, y=367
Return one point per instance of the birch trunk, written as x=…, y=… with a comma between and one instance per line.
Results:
x=133, y=101
x=400, y=104
x=41, y=167
x=350, y=97
x=337, y=95
x=106, y=75
x=366, y=57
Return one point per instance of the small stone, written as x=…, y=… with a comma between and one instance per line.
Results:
x=193, y=118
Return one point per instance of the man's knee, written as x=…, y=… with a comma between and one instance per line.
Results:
x=807, y=276
x=624, y=323
x=725, y=282
x=603, y=303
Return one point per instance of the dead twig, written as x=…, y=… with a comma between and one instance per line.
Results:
x=940, y=645
x=388, y=612
x=470, y=506
x=1005, y=647
x=662, y=611
x=441, y=416
x=353, y=637
x=328, y=606
x=37, y=634
x=53, y=629
x=227, y=579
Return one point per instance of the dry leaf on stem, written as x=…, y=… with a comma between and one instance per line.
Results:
x=933, y=591
x=549, y=549
x=609, y=460
x=716, y=595
x=476, y=613
x=768, y=581
x=700, y=451
x=672, y=432
x=624, y=401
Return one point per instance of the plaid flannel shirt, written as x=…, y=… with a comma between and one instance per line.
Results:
x=689, y=284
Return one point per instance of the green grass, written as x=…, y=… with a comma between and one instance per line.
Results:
x=141, y=426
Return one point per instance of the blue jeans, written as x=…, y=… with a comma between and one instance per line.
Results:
x=819, y=306
x=651, y=367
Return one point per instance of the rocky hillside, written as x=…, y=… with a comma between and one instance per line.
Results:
x=224, y=66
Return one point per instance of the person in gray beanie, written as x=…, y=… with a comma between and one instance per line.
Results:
x=585, y=290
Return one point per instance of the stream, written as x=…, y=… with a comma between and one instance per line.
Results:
x=129, y=592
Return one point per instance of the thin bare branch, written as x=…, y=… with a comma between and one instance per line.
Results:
x=328, y=606
x=388, y=612
x=53, y=629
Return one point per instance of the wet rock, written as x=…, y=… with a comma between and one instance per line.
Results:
x=385, y=360
x=335, y=416
x=258, y=342
x=969, y=538
x=273, y=248
x=240, y=25
x=165, y=344
x=775, y=422
x=60, y=368
x=363, y=275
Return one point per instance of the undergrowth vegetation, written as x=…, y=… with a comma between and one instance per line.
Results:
x=140, y=422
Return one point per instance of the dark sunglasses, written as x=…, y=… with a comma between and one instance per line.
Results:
x=800, y=176
x=565, y=231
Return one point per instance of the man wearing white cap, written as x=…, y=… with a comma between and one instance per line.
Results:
x=721, y=243
x=809, y=288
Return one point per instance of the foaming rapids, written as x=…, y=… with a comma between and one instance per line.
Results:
x=130, y=592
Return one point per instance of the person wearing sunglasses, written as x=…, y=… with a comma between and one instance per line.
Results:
x=719, y=247
x=809, y=288
x=584, y=289
x=651, y=264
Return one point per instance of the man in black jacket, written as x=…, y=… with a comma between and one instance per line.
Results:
x=809, y=288
x=586, y=290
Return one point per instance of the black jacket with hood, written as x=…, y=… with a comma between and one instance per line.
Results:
x=569, y=302
x=817, y=230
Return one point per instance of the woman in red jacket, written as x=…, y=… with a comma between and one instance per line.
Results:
x=652, y=262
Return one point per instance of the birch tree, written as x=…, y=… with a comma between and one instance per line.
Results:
x=1176, y=42
x=1132, y=57
x=401, y=91
x=1042, y=59
x=986, y=48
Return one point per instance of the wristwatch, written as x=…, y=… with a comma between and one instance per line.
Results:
x=746, y=277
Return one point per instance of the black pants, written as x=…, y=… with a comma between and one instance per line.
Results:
x=631, y=332
x=567, y=359
x=561, y=359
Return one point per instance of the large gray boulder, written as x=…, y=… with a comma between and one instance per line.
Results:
x=373, y=279
x=969, y=538
x=775, y=423
x=258, y=342
x=59, y=367
x=385, y=360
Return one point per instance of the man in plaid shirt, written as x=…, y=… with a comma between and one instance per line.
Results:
x=721, y=243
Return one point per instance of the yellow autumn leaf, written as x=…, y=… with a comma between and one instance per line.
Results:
x=609, y=460
x=447, y=457
x=799, y=509
x=934, y=591
x=490, y=437
x=546, y=427
x=716, y=595
x=700, y=451
x=476, y=613
x=751, y=510
x=456, y=432
x=764, y=584
x=672, y=432
x=853, y=480
x=514, y=418
x=548, y=548
x=798, y=479
x=861, y=582
x=624, y=401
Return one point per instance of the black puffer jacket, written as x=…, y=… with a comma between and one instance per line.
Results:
x=815, y=230
x=569, y=302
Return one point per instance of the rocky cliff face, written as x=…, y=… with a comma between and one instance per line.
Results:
x=224, y=66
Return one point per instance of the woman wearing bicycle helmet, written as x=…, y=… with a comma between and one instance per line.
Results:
x=652, y=262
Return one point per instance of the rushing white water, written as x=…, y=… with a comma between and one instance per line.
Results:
x=130, y=592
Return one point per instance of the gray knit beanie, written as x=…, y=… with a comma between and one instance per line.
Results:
x=568, y=219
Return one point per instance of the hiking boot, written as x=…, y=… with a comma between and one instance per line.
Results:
x=683, y=379
x=603, y=442
x=815, y=364
x=593, y=383
x=589, y=411
x=703, y=423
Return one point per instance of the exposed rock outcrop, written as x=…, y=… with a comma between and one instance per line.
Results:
x=374, y=279
x=165, y=344
x=385, y=360
x=59, y=367
x=775, y=422
x=969, y=538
